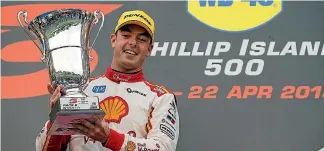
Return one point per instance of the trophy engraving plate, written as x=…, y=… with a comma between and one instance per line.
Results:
x=78, y=103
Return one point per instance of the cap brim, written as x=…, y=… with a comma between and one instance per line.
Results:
x=136, y=22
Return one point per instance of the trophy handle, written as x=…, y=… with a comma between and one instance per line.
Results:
x=95, y=21
x=24, y=13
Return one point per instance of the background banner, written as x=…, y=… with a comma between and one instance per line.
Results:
x=248, y=75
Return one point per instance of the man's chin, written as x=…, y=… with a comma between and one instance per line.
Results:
x=129, y=64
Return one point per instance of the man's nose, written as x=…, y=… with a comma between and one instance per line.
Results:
x=132, y=41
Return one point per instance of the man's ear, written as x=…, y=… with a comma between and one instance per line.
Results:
x=150, y=50
x=113, y=38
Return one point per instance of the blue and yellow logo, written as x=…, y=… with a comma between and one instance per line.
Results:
x=234, y=15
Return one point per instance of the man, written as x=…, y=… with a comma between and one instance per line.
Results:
x=139, y=115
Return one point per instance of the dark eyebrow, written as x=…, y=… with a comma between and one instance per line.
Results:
x=125, y=28
x=145, y=34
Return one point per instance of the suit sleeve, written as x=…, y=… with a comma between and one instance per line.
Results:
x=163, y=129
x=51, y=143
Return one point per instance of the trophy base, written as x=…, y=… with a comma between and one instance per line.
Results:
x=69, y=109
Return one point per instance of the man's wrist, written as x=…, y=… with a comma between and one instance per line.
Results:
x=106, y=139
x=115, y=140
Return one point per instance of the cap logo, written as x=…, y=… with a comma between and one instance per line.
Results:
x=138, y=15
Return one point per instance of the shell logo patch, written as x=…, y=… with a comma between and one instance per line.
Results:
x=234, y=15
x=131, y=146
x=115, y=108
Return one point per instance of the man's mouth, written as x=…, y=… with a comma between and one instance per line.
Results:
x=131, y=52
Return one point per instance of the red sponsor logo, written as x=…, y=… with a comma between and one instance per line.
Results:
x=73, y=100
x=132, y=133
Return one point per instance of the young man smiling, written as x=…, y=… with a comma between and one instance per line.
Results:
x=139, y=115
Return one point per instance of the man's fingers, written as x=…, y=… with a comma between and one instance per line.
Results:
x=80, y=128
x=54, y=99
x=56, y=92
x=62, y=90
x=50, y=87
x=81, y=132
x=97, y=120
x=87, y=124
x=52, y=90
x=55, y=96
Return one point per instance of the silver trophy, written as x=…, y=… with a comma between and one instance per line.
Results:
x=64, y=43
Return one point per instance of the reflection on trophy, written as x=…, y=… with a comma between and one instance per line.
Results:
x=64, y=43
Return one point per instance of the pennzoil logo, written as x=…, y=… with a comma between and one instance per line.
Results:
x=234, y=15
x=115, y=108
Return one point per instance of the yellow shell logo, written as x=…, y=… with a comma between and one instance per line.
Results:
x=234, y=15
x=115, y=108
x=131, y=146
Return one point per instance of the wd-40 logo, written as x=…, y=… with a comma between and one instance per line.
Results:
x=234, y=15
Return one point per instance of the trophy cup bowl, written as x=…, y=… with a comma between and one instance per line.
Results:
x=64, y=43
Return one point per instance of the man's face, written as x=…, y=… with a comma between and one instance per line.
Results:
x=131, y=45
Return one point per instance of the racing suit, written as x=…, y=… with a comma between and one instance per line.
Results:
x=141, y=117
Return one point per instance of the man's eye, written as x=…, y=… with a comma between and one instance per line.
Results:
x=142, y=39
x=126, y=35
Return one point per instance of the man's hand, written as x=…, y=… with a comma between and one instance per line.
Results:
x=50, y=88
x=96, y=131
x=56, y=94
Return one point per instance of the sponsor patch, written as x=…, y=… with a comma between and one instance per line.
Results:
x=129, y=90
x=167, y=131
x=132, y=133
x=99, y=89
x=171, y=116
x=170, y=119
x=141, y=144
x=116, y=108
x=147, y=149
x=168, y=123
x=173, y=113
x=142, y=147
x=131, y=146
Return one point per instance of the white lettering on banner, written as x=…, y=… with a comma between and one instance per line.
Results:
x=219, y=48
x=236, y=66
x=214, y=67
x=256, y=48
x=271, y=51
x=312, y=51
x=182, y=50
x=173, y=49
x=195, y=51
x=163, y=48
x=292, y=48
x=209, y=48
